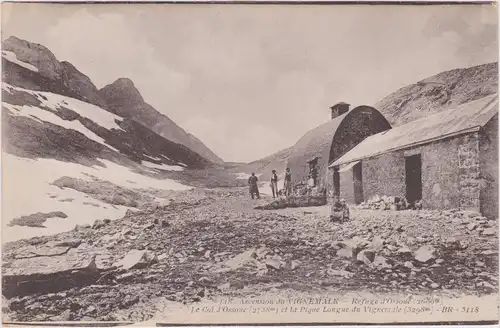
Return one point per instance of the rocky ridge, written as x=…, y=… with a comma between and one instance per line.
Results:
x=120, y=97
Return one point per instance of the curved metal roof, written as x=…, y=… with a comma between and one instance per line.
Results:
x=319, y=142
x=458, y=120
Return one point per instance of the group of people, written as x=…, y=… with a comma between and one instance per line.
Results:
x=339, y=210
x=287, y=185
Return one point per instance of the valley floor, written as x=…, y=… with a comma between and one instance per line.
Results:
x=208, y=244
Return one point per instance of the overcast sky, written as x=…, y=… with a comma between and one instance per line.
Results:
x=251, y=80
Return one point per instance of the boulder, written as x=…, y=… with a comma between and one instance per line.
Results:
x=408, y=265
x=294, y=264
x=471, y=226
x=489, y=232
x=346, y=252
x=49, y=273
x=377, y=243
x=98, y=224
x=471, y=214
x=224, y=287
x=136, y=259
x=381, y=262
x=366, y=256
x=241, y=259
x=275, y=263
x=63, y=317
x=404, y=250
x=425, y=254
x=128, y=301
x=80, y=227
x=339, y=273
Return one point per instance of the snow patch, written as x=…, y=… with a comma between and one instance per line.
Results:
x=162, y=166
x=153, y=158
x=29, y=193
x=42, y=116
x=55, y=102
x=10, y=56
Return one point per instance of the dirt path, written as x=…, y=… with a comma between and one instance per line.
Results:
x=208, y=244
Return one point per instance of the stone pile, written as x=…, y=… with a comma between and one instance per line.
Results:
x=392, y=203
x=294, y=201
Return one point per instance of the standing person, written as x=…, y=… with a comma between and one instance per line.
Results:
x=274, y=184
x=288, y=182
x=254, y=189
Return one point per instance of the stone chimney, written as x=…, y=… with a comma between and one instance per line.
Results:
x=339, y=109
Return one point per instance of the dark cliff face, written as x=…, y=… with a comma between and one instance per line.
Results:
x=37, y=55
x=120, y=97
x=81, y=84
x=50, y=74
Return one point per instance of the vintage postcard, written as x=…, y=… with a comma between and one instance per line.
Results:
x=181, y=163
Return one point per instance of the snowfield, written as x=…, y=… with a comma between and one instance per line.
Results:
x=10, y=56
x=54, y=101
x=29, y=187
x=42, y=116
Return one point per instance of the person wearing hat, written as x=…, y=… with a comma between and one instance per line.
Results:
x=274, y=184
x=288, y=182
x=254, y=188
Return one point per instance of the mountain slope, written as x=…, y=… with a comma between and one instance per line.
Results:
x=34, y=67
x=123, y=98
x=52, y=110
x=439, y=92
x=264, y=166
x=431, y=95
x=67, y=159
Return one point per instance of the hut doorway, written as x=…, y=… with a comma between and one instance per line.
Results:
x=357, y=178
x=413, y=169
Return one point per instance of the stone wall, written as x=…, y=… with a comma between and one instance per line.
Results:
x=488, y=152
x=469, y=170
x=384, y=175
x=440, y=174
x=450, y=173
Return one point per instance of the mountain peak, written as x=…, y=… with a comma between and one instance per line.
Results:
x=34, y=54
x=120, y=95
x=124, y=81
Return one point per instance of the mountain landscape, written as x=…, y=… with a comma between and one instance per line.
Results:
x=121, y=97
x=57, y=123
x=431, y=95
x=53, y=112
x=112, y=212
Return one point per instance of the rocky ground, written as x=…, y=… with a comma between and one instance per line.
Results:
x=208, y=243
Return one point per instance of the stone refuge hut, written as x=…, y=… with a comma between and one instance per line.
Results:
x=447, y=160
x=311, y=154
